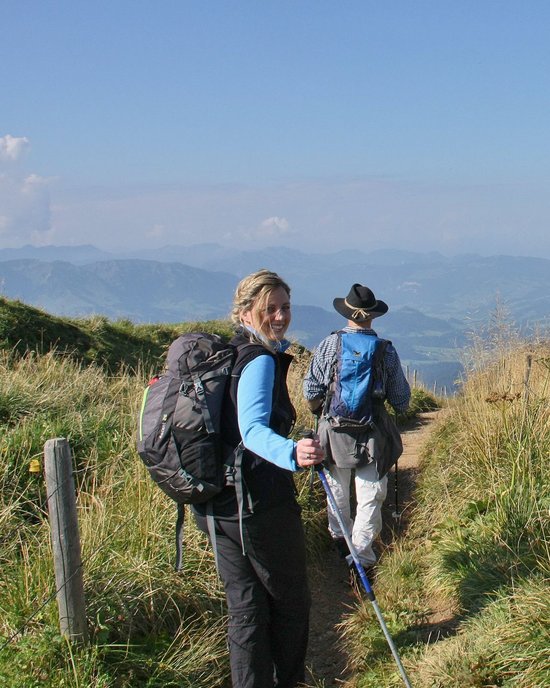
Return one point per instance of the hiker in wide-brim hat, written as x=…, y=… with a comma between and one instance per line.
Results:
x=355, y=429
x=360, y=304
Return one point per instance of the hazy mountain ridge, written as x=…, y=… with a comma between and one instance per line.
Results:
x=83, y=253
x=143, y=291
x=464, y=288
x=434, y=300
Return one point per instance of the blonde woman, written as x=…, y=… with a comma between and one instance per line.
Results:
x=258, y=535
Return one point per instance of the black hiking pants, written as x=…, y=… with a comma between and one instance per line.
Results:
x=267, y=595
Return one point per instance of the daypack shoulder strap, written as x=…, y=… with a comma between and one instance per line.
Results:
x=332, y=373
x=379, y=378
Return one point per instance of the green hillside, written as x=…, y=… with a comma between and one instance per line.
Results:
x=109, y=343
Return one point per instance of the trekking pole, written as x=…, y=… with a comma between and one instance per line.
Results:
x=360, y=570
x=395, y=514
x=309, y=433
x=362, y=574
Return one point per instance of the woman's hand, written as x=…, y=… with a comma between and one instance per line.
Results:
x=309, y=452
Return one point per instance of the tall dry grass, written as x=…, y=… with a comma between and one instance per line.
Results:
x=147, y=623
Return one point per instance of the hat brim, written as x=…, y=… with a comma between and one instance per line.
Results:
x=379, y=308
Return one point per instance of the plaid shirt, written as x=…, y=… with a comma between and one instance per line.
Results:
x=317, y=380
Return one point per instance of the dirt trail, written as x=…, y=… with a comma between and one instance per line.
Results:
x=333, y=598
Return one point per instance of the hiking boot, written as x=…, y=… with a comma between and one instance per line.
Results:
x=341, y=547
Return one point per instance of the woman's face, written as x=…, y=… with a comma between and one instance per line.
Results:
x=274, y=318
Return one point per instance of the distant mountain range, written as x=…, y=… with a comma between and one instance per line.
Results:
x=434, y=300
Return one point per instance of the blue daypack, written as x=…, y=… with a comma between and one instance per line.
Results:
x=357, y=380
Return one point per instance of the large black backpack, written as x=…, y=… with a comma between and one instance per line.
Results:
x=179, y=437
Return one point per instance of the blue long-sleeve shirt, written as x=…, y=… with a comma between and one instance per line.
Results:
x=254, y=404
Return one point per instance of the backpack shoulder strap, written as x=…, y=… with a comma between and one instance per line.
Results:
x=380, y=350
x=378, y=383
x=180, y=521
x=332, y=373
x=246, y=352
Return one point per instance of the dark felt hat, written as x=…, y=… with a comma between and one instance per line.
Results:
x=360, y=304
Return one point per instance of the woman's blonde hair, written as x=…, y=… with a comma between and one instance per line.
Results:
x=252, y=294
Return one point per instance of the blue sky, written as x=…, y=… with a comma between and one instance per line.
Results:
x=421, y=125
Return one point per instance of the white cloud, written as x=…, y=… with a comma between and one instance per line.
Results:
x=33, y=182
x=274, y=226
x=25, y=210
x=25, y=214
x=13, y=147
x=269, y=232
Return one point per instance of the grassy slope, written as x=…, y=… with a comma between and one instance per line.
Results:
x=479, y=541
x=91, y=340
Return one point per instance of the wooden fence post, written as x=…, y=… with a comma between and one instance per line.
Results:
x=65, y=539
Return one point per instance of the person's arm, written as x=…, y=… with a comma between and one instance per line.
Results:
x=316, y=380
x=314, y=391
x=398, y=391
x=254, y=405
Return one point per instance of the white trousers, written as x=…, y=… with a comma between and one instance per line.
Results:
x=370, y=494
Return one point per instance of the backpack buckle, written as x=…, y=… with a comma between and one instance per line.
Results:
x=230, y=475
x=199, y=389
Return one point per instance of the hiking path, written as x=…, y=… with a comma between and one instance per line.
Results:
x=332, y=596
